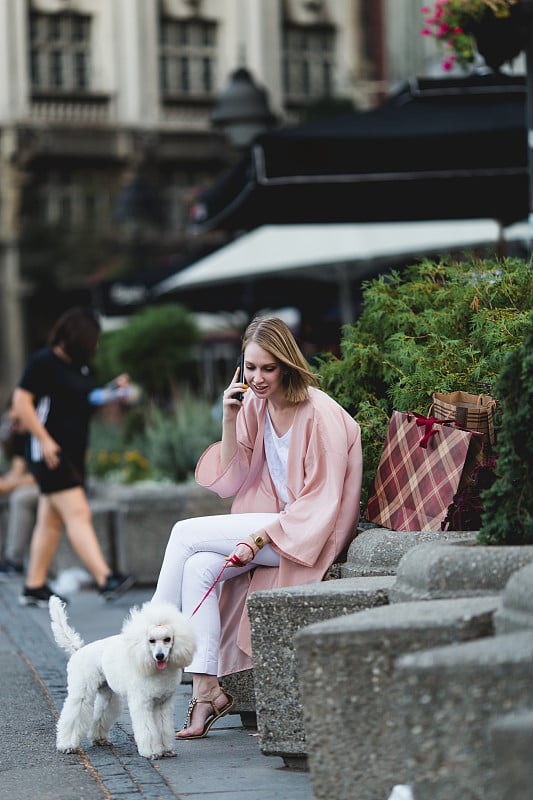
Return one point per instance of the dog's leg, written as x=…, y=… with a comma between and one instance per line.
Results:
x=75, y=719
x=107, y=708
x=146, y=722
x=168, y=732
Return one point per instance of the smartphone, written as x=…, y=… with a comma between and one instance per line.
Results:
x=240, y=363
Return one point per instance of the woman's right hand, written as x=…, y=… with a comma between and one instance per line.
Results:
x=230, y=404
x=51, y=452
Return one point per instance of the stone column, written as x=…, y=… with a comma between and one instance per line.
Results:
x=12, y=338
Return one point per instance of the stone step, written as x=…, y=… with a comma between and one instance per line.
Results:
x=275, y=616
x=449, y=699
x=354, y=735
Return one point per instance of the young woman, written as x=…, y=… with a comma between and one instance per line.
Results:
x=52, y=403
x=292, y=458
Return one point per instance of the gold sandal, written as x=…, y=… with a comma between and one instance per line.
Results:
x=216, y=713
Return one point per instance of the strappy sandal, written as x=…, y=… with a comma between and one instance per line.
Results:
x=216, y=713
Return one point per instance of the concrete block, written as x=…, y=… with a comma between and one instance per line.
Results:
x=512, y=748
x=436, y=571
x=516, y=611
x=353, y=731
x=449, y=697
x=275, y=616
x=241, y=686
x=377, y=551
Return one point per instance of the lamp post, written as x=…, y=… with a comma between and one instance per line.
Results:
x=242, y=110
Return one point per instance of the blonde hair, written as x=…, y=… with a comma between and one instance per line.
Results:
x=274, y=336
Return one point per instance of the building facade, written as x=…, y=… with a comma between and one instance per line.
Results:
x=106, y=130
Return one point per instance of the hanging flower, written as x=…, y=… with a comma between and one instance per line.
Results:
x=451, y=23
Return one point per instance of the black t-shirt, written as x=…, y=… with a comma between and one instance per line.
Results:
x=60, y=392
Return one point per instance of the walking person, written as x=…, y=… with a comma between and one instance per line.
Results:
x=291, y=457
x=53, y=404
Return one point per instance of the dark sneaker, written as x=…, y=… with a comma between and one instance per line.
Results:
x=9, y=569
x=38, y=597
x=115, y=585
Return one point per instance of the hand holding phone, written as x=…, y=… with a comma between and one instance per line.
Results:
x=240, y=395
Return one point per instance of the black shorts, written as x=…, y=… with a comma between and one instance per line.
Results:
x=66, y=476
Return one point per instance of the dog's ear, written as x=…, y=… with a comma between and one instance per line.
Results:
x=184, y=645
x=130, y=619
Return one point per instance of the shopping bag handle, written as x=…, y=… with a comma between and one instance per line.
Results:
x=428, y=423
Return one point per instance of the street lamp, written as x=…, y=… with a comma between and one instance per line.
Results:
x=242, y=109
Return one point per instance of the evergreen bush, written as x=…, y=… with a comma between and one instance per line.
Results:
x=155, y=348
x=176, y=439
x=433, y=327
x=507, y=516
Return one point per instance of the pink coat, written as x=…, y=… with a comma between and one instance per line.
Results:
x=324, y=488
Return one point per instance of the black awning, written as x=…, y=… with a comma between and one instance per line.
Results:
x=437, y=149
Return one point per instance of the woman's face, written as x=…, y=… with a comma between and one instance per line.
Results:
x=263, y=372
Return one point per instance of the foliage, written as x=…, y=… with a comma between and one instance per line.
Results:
x=435, y=327
x=176, y=439
x=450, y=22
x=165, y=447
x=154, y=348
x=507, y=516
x=114, y=454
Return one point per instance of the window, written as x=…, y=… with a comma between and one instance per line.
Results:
x=308, y=62
x=74, y=201
x=187, y=57
x=60, y=52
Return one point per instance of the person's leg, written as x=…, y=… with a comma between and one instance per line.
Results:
x=21, y=522
x=44, y=543
x=73, y=507
x=199, y=598
x=217, y=535
x=193, y=559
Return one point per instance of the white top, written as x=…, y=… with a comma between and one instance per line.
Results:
x=277, y=453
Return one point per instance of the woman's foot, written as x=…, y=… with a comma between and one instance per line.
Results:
x=203, y=712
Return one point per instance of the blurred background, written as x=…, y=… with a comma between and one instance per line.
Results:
x=137, y=137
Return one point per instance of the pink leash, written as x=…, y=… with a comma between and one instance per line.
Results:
x=236, y=563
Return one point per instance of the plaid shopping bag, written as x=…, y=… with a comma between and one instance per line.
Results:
x=419, y=472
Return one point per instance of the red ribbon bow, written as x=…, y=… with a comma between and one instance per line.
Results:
x=428, y=423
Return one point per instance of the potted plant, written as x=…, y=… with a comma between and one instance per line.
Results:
x=496, y=29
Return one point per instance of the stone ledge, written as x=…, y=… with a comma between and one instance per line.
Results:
x=275, y=616
x=436, y=571
x=512, y=746
x=378, y=551
x=449, y=697
x=362, y=700
x=516, y=611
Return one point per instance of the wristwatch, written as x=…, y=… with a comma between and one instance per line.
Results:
x=259, y=541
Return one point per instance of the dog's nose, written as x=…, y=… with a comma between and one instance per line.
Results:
x=160, y=656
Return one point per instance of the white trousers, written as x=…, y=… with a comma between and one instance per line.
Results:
x=193, y=559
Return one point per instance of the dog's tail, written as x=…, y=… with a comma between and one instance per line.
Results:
x=65, y=636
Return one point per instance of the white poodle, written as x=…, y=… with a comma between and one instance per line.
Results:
x=143, y=664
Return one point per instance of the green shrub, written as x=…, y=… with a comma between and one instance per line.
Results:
x=507, y=516
x=176, y=439
x=166, y=447
x=155, y=348
x=434, y=327
x=114, y=454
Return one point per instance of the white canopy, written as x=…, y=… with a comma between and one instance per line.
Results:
x=311, y=249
